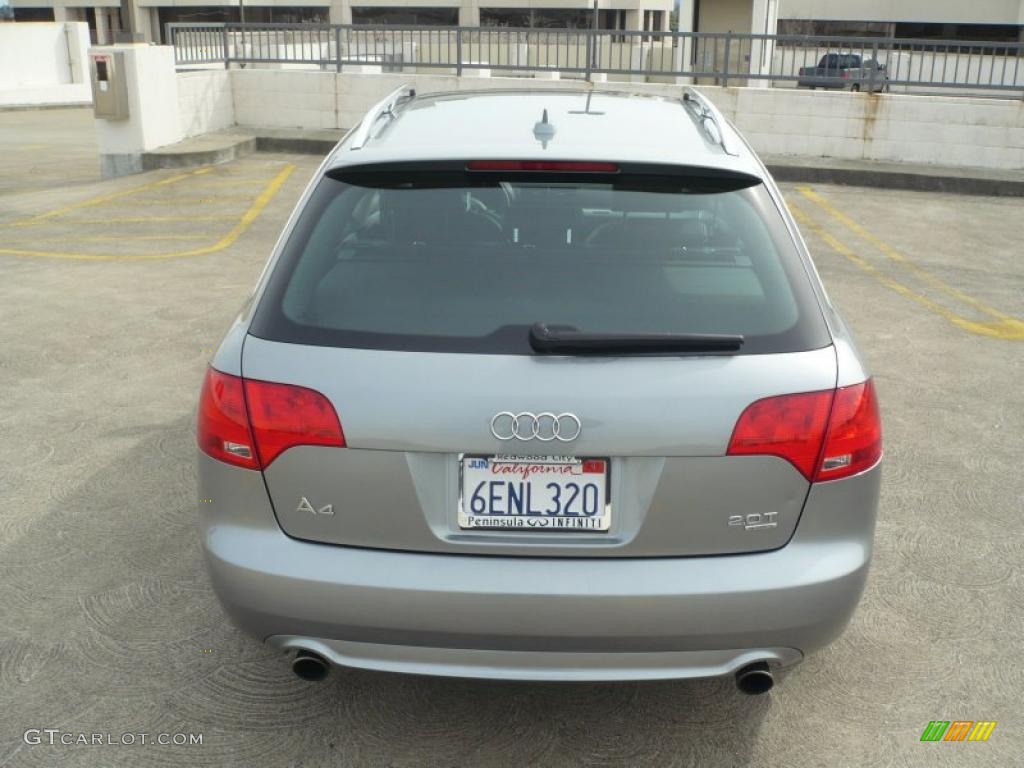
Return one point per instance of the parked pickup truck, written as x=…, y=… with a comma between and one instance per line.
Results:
x=845, y=71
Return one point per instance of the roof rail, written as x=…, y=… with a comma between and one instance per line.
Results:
x=711, y=120
x=386, y=106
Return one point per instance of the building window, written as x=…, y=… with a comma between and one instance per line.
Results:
x=199, y=15
x=833, y=28
x=518, y=18
x=415, y=17
x=612, y=19
x=33, y=14
x=563, y=18
x=653, y=20
x=963, y=33
x=652, y=23
x=543, y=18
x=960, y=36
x=291, y=14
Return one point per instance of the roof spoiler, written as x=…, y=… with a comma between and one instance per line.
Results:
x=710, y=119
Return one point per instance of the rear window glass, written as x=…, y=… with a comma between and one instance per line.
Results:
x=456, y=263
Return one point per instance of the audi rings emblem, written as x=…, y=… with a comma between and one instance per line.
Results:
x=545, y=426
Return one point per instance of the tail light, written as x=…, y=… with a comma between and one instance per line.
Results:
x=223, y=427
x=789, y=426
x=825, y=435
x=250, y=423
x=854, y=441
x=283, y=415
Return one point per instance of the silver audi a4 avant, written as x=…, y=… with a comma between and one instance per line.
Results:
x=540, y=385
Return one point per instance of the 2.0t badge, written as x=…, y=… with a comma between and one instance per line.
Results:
x=756, y=521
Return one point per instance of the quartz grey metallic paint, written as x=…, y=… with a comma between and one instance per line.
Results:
x=799, y=597
x=389, y=581
x=657, y=503
x=666, y=423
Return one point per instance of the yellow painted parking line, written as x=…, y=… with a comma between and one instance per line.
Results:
x=261, y=202
x=171, y=202
x=234, y=182
x=93, y=201
x=1008, y=320
x=144, y=220
x=118, y=238
x=999, y=330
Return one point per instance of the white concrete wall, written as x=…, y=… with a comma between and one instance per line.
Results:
x=205, y=102
x=278, y=98
x=944, y=130
x=44, y=63
x=154, y=111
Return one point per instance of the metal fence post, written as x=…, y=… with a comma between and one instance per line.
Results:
x=590, y=46
x=874, y=69
x=224, y=45
x=337, y=47
x=1016, y=67
x=725, y=65
x=458, y=51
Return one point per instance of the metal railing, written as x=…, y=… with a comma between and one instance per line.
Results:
x=723, y=59
x=197, y=43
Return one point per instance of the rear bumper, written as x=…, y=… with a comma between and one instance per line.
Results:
x=539, y=618
x=535, y=665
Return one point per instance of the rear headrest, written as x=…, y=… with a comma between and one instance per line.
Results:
x=421, y=215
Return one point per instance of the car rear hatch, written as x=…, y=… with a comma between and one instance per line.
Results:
x=540, y=361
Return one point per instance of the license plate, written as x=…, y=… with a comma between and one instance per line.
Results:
x=540, y=493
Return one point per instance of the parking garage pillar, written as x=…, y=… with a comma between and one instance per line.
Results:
x=469, y=14
x=147, y=23
x=68, y=14
x=763, y=21
x=102, y=30
x=340, y=12
x=683, y=51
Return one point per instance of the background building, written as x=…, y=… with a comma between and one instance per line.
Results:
x=1000, y=20
x=104, y=17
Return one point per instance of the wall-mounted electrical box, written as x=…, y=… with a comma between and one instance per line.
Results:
x=109, y=85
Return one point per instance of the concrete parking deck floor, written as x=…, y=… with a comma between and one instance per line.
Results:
x=112, y=296
x=47, y=148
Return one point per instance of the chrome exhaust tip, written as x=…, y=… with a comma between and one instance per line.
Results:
x=755, y=679
x=310, y=666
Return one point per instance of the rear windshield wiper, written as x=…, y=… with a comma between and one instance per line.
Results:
x=562, y=340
